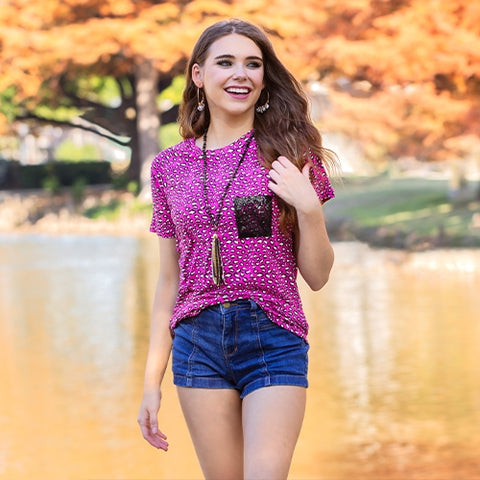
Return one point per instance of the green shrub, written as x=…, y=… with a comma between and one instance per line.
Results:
x=51, y=183
x=78, y=190
x=64, y=173
x=68, y=151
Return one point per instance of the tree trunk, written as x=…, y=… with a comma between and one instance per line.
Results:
x=457, y=184
x=133, y=171
x=148, y=121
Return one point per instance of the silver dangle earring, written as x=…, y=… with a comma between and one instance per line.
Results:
x=200, y=101
x=263, y=108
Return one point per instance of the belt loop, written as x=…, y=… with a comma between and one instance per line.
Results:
x=253, y=305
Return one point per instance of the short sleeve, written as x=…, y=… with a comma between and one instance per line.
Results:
x=161, y=223
x=320, y=181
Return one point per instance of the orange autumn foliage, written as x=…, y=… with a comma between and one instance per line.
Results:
x=403, y=77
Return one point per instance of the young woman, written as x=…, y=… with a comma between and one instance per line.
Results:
x=238, y=209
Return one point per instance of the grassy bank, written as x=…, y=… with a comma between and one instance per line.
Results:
x=93, y=210
x=407, y=213
x=412, y=213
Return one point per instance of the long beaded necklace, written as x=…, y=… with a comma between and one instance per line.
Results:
x=217, y=267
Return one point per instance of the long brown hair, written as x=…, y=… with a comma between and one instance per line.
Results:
x=284, y=129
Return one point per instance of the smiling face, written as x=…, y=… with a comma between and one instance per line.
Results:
x=232, y=76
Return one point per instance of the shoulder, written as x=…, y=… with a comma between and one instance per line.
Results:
x=178, y=153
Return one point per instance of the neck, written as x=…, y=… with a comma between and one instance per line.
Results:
x=224, y=133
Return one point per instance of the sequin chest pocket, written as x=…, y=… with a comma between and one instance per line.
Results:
x=253, y=215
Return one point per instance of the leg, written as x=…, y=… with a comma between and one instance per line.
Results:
x=272, y=419
x=214, y=419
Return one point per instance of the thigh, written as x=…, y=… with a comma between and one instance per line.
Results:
x=272, y=419
x=214, y=420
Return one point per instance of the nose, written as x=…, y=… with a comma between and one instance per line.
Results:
x=239, y=72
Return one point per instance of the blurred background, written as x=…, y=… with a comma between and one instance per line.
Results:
x=89, y=93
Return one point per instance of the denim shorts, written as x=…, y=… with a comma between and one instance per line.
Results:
x=236, y=346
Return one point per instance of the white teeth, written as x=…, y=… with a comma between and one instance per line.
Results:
x=238, y=90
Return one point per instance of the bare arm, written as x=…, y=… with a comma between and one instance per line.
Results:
x=314, y=251
x=313, y=248
x=160, y=343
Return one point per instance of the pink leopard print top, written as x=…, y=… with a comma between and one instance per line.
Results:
x=258, y=259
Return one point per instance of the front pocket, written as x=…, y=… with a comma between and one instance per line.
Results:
x=264, y=323
x=253, y=215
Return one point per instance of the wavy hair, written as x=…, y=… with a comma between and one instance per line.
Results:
x=286, y=128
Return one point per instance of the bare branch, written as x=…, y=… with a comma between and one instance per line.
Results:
x=79, y=124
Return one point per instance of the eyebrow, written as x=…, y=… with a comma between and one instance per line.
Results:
x=251, y=57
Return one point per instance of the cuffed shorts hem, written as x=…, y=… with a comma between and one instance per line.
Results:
x=220, y=383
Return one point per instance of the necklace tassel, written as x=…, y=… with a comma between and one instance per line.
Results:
x=217, y=268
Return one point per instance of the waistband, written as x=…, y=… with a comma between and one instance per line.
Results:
x=237, y=305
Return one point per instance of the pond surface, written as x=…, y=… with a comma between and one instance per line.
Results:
x=394, y=365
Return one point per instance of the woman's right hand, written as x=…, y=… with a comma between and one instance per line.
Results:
x=148, y=420
x=160, y=343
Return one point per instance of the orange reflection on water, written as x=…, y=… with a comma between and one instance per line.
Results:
x=394, y=376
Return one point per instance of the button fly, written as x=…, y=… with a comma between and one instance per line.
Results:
x=228, y=304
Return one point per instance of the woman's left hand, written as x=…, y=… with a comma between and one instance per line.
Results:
x=292, y=185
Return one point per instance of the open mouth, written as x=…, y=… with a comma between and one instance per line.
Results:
x=239, y=91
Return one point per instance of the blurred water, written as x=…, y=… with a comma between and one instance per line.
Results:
x=394, y=370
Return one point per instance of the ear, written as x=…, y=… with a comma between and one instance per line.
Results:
x=197, y=75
